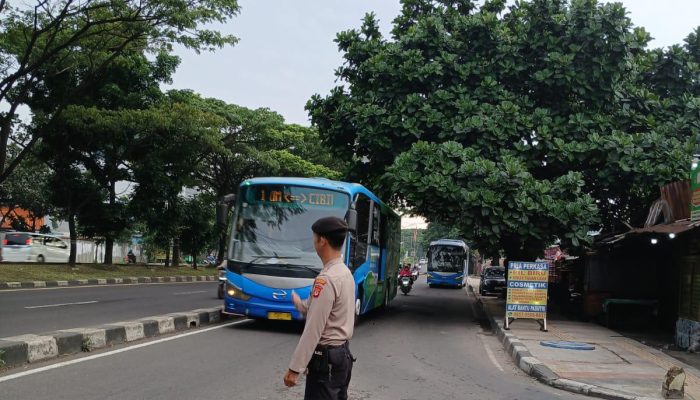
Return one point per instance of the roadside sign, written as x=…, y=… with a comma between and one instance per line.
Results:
x=526, y=296
x=695, y=193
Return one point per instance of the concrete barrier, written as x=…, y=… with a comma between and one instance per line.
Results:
x=18, y=350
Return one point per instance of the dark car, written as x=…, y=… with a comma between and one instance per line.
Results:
x=493, y=279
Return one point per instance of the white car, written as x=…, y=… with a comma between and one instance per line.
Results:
x=33, y=247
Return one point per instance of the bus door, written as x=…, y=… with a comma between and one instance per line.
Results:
x=366, y=250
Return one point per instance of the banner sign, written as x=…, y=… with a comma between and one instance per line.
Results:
x=527, y=290
x=695, y=193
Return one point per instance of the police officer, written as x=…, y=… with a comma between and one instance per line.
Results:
x=323, y=350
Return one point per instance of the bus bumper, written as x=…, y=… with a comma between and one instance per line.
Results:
x=446, y=281
x=256, y=308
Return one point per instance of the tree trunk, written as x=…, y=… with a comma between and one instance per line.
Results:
x=109, y=246
x=109, y=240
x=167, y=255
x=194, y=261
x=222, y=248
x=176, y=252
x=73, y=237
x=5, y=130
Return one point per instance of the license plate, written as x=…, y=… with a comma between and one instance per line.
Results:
x=284, y=316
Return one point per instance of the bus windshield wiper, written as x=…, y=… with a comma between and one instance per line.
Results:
x=259, y=256
x=306, y=267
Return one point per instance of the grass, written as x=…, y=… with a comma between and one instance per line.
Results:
x=63, y=272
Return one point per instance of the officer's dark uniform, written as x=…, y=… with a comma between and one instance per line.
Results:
x=330, y=318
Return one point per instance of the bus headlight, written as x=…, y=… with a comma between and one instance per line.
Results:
x=235, y=292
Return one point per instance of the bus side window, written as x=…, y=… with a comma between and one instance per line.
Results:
x=375, y=225
x=363, y=206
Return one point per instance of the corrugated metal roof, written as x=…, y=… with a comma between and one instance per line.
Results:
x=677, y=227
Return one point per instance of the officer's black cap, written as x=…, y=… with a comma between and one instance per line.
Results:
x=328, y=225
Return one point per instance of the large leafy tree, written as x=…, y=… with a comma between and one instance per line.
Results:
x=257, y=143
x=41, y=41
x=92, y=134
x=519, y=125
x=173, y=140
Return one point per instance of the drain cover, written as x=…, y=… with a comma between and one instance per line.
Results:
x=561, y=344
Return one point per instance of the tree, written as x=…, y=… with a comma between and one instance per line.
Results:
x=41, y=42
x=27, y=189
x=92, y=132
x=173, y=140
x=436, y=231
x=257, y=143
x=198, y=226
x=518, y=126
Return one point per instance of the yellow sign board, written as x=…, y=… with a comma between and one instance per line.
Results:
x=527, y=290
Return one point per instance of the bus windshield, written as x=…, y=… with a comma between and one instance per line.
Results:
x=273, y=224
x=446, y=259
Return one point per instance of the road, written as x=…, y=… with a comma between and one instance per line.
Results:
x=45, y=310
x=428, y=346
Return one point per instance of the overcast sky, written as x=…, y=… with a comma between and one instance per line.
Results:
x=286, y=51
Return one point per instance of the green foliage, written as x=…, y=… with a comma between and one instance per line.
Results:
x=517, y=125
x=198, y=225
x=437, y=231
x=44, y=47
x=26, y=189
x=258, y=143
x=86, y=345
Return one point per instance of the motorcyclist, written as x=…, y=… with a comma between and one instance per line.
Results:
x=406, y=271
x=131, y=257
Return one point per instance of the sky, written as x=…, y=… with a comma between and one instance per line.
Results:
x=286, y=51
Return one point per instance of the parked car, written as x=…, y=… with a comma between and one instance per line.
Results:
x=33, y=247
x=493, y=280
x=16, y=246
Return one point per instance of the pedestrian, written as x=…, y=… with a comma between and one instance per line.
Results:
x=323, y=351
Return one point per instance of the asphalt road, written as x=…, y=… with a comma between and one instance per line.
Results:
x=428, y=346
x=45, y=310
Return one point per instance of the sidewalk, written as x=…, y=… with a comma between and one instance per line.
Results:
x=619, y=367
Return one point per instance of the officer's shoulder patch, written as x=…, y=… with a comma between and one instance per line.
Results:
x=319, y=283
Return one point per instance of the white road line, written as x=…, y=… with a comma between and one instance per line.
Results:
x=192, y=292
x=63, y=304
x=113, y=352
x=490, y=354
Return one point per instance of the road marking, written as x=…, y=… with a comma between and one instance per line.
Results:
x=63, y=304
x=490, y=354
x=100, y=286
x=192, y=292
x=109, y=353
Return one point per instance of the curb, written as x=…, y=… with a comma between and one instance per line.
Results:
x=106, y=282
x=538, y=370
x=19, y=350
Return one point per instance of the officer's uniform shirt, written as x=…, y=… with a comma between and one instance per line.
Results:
x=330, y=313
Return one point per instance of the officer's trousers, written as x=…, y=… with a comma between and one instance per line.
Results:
x=331, y=383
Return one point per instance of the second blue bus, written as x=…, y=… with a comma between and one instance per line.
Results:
x=448, y=263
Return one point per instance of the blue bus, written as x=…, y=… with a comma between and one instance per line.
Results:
x=448, y=263
x=271, y=252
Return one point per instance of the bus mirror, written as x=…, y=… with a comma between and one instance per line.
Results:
x=222, y=208
x=351, y=219
x=221, y=213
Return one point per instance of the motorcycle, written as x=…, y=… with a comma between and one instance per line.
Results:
x=210, y=260
x=222, y=284
x=405, y=283
x=415, y=274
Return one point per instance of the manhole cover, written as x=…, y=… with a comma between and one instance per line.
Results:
x=561, y=344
